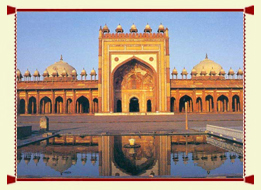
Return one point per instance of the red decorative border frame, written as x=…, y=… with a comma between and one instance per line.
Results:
x=246, y=10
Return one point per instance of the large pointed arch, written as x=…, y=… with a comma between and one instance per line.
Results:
x=124, y=81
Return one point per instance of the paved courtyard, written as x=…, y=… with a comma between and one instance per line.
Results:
x=89, y=124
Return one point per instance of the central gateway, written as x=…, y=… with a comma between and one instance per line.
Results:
x=134, y=72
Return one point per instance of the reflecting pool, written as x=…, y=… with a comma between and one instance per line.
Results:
x=112, y=156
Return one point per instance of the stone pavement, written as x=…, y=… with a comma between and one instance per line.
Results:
x=91, y=125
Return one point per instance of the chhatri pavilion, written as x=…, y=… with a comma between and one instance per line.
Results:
x=133, y=76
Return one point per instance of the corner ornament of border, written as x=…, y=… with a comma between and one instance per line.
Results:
x=249, y=179
x=10, y=10
x=249, y=10
x=10, y=179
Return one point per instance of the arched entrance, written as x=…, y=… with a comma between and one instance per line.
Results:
x=209, y=103
x=134, y=105
x=182, y=101
x=82, y=105
x=199, y=104
x=235, y=103
x=22, y=106
x=95, y=105
x=172, y=104
x=59, y=105
x=69, y=106
x=222, y=104
x=118, y=106
x=134, y=78
x=32, y=105
x=46, y=105
x=148, y=105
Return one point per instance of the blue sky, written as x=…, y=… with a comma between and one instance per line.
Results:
x=42, y=37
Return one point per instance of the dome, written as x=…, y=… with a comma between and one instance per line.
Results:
x=133, y=28
x=36, y=73
x=203, y=71
x=59, y=67
x=184, y=72
x=64, y=73
x=83, y=72
x=174, y=71
x=161, y=28
x=222, y=71
x=208, y=66
x=105, y=29
x=18, y=74
x=231, y=72
x=119, y=29
x=194, y=72
x=74, y=73
x=93, y=72
x=240, y=72
x=27, y=73
x=45, y=73
x=147, y=28
x=59, y=165
x=212, y=72
x=54, y=73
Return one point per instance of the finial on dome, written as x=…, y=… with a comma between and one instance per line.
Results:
x=61, y=57
x=206, y=56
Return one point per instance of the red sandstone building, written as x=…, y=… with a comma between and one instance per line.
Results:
x=133, y=76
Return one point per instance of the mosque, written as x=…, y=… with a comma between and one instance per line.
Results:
x=133, y=76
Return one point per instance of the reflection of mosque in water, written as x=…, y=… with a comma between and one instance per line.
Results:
x=152, y=158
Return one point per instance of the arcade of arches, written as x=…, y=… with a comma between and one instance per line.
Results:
x=82, y=104
x=46, y=106
x=207, y=104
